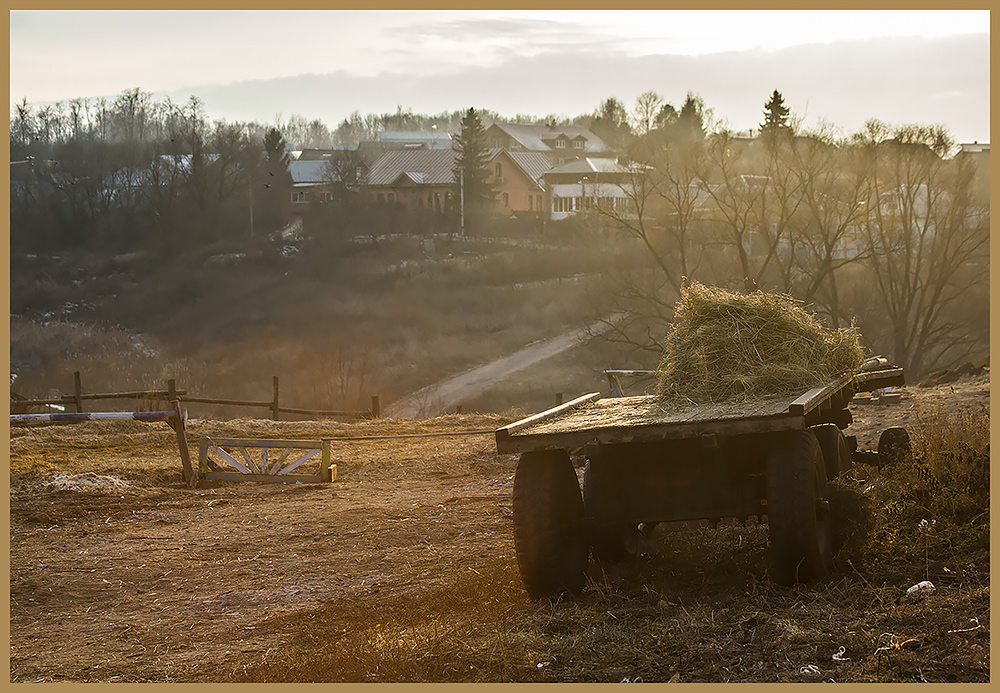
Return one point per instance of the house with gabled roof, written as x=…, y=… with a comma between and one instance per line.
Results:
x=418, y=178
x=518, y=178
x=558, y=143
x=583, y=184
x=325, y=179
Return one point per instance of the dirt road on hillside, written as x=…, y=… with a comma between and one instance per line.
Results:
x=445, y=395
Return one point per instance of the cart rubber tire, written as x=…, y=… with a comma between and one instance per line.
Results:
x=798, y=514
x=609, y=543
x=836, y=454
x=894, y=447
x=549, y=540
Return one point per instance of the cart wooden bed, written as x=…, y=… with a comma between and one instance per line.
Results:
x=649, y=462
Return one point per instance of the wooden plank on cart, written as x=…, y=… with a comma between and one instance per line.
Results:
x=818, y=396
x=513, y=428
x=645, y=418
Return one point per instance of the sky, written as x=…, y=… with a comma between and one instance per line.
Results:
x=240, y=61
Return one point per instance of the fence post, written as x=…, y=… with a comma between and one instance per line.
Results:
x=77, y=392
x=179, y=424
x=376, y=407
x=559, y=398
x=274, y=404
x=171, y=391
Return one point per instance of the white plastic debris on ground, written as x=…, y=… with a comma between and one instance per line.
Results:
x=88, y=481
x=925, y=587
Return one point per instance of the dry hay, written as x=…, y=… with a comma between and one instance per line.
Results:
x=86, y=482
x=726, y=346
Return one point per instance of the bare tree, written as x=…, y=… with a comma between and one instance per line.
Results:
x=647, y=108
x=927, y=244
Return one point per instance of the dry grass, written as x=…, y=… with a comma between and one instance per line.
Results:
x=696, y=605
x=729, y=346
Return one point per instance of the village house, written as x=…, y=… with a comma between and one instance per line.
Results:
x=416, y=178
x=518, y=178
x=558, y=143
x=388, y=140
x=583, y=184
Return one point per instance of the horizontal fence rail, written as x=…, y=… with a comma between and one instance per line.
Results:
x=172, y=394
x=71, y=417
x=175, y=418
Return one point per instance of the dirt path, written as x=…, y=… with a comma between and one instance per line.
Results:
x=445, y=395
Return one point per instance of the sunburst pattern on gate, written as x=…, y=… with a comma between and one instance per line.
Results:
x=247, y=459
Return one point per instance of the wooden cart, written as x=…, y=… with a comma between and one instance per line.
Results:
x=648, y=463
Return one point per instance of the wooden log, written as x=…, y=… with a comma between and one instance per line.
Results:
x=71, y=399
x=264, y=443
x=324, y=469
x=816, y=396
x=322, y=412
x=179, y=424
x=75, y=417
x=274, y=405
x=229, y=402
x=146, y=394
x=513, y=428
x=273, y=478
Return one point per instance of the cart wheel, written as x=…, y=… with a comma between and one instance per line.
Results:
x=548, y=535
x=894, y=447
x=798, y=511
x=836, y=455
x=611, y=543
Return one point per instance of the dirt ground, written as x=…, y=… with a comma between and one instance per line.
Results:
x=121, y=573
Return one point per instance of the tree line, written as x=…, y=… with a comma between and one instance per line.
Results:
x=880, y=227
x=884, y=225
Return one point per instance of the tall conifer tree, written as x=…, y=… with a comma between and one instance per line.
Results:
x=775, y=117
x=472, y=171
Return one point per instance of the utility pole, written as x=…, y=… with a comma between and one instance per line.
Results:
x=250, y=192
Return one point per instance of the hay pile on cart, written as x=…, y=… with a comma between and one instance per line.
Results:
x=726, y=346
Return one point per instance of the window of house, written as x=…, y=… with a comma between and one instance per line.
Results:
x=506, y=200
x=437, y=202
x=560, y=144
x=381, y=197
x=539, y=203
x=391, y=197
x=298, y=196
x=531, y=199
x=499, y=171
x=577, y=144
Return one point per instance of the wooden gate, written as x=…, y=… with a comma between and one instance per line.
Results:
x=248, y=459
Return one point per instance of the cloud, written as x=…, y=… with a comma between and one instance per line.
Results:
x=898, y=80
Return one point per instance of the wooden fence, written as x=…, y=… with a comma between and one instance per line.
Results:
x=172, y=394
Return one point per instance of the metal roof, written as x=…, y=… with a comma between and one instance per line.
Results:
x=589, y=165
x=432, y=138
x=314, y=171
x=535, y=164
x=424, y=166
x=532, y=137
